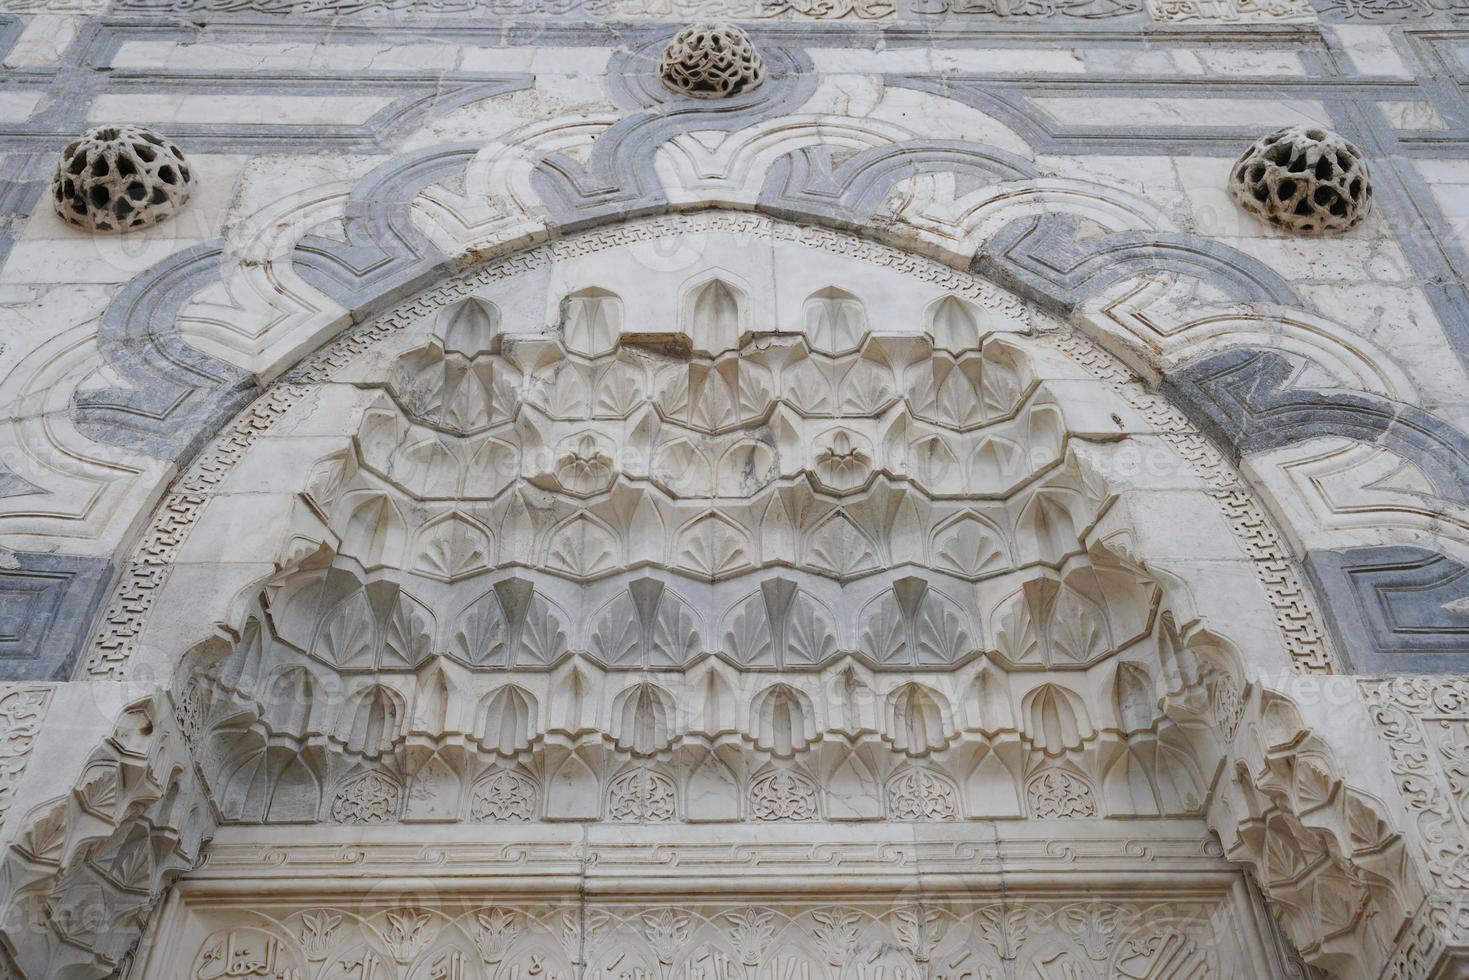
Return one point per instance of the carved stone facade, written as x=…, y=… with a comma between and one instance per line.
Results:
x=890, y=515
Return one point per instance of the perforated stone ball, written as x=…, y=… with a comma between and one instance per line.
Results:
x=711, y=61
x=1305, y=180
x=119, y=178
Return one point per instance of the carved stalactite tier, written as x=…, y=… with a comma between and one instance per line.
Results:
x=863, y=561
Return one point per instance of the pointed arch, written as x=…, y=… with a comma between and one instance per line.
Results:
x=782, y=720
x=506, y=719
x=645, y=719
x=918, y=719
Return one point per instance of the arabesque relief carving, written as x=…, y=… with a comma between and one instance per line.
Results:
x=1131, y=940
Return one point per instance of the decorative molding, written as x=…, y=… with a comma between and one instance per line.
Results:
x=1389, y=11
x=407, y=737
x=1435, y=943
x=1028, y=11
x=47, y=605
x=1295, y=609
x=12, y=485
x=1425, y=723
x=866, y=684
x=718, y=855
x=1246, y=399
x=98, y=857
x=1231, y=11
x=1042, y=259
x=22, y=711
x=805, y=182
x=830, y=9
x=382, y=252
x=479, y=9
x=920, y=12
x=1396, y=609
x=618, y=181
x=176, y=396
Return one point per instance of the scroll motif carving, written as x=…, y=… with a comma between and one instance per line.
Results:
x=830, y=9
x=1030, y=9
x=372, y=797
x=503, y=796
x=1425, y=722
x=1057, y=794
x=642, y=795
x=920, y=794
x=21, y=712
x=783, y=794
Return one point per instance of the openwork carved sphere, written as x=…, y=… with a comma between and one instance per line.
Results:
x=711, y=61
x=1304, y=180
x=120, y=178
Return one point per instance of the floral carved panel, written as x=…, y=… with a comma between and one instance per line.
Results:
x=1425, y=722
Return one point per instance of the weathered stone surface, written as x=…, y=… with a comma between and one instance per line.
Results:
x=867, y=505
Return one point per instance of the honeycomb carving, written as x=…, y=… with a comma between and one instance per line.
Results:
x=865, y=559
x=120, y=178
x=1304, y=181
x=711, y=61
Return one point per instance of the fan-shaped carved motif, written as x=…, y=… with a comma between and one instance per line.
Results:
x=835, y=320
x=911, y=623
x=591, y=321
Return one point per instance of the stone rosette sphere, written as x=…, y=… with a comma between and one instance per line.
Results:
x=120, y=178
x=1304, y=180
x=711, y=61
